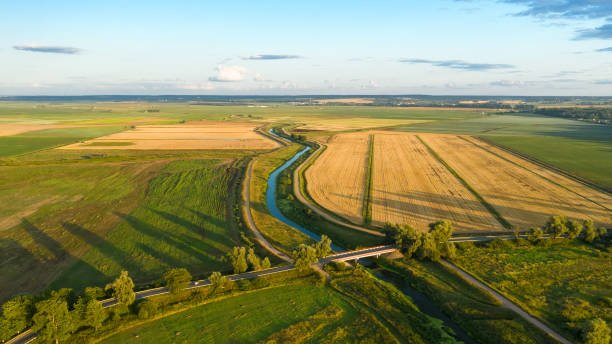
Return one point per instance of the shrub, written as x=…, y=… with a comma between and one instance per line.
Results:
x=244, y=284
x=575, y=309
x=147, y=309
x=596, y=331
x=259, y=282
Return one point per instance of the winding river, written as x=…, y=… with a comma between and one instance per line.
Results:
x=420, y=299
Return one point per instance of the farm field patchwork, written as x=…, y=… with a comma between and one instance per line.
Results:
x=192, y=135
x=522, y=198
x=336, y=179
x=411, y=186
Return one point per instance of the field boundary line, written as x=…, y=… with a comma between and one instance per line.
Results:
x=537, y=174
x=366, y=209
x=486, y=204
x=301, y=193
x=568, y=174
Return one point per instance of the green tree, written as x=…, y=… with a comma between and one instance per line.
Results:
x=429, y=247
x=17, y=315
x=535, y=234
x=122, y=289
x=407, y=240
x=217, y=281
x=304, y=256
x=441, y=231
x=94, y=314
x=265, y=263
x=574, y=228
x=177, y=279
x=147, y=309
x=448, y=250
x=95, y=293
x=254, y=260
x=590, y=233
x=238, y=258
x=52, y=319
x=323, y=247
x=596, y=331
x=556, y=226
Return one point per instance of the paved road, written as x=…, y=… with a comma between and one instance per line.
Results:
x=507, y=303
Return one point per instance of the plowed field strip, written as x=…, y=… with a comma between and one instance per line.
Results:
x=336, y=178
x=411, y=186
x=599, y=198
x=520, y=196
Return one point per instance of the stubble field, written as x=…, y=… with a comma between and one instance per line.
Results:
x=410, y=184
x=521, y=197
x=336, y=180
x=192, y=135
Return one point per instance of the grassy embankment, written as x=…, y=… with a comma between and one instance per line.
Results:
x=277, y=233
x=474, y=310
x=562, y=284
x=367, y=198
x=292, y=208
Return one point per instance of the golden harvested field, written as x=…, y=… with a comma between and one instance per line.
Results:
x=596, y=196
x=411, y=186
x=192, y=135
x=521, y=197
x=336, y=179
x=14, y=129
x=341, y=124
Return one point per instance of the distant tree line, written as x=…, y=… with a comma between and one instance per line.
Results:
x=600, y=115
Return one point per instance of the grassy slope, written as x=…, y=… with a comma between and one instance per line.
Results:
x=55, y=199
x=180, y=223
x=540, y=279
x=48, y=138
x=475, y=311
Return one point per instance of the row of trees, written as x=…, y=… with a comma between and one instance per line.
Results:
x=431, y=245
x=306, y=255
x=56, y=315
x=559, y=226
x=241, y=257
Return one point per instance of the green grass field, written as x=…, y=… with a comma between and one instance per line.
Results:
x=49, y=138
x=546, y=280
x=356, y=308
x=180, y=222
x=475, y=311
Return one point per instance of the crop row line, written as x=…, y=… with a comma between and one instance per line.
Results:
x=486, y=204
x=366, y=209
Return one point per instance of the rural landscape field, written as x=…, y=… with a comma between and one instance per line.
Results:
x=416, y=172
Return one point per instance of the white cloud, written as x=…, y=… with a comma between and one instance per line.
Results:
x=229, y=74
x=370, y=85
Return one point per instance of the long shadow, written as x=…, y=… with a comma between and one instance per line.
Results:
x=44, y=240
x=60, y=256
x=200, y=231
x=108, y=249
x=181, y=242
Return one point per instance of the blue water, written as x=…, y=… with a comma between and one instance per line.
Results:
x=271, y=199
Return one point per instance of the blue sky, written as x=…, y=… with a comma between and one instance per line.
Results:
x=490, y=47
